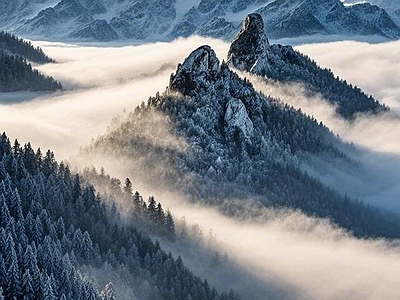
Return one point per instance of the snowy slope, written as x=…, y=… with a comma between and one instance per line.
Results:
x=150, y=20
x=392, y=7
x=285, y=18
x=214, y=138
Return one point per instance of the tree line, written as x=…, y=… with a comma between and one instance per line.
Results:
x=52, y=224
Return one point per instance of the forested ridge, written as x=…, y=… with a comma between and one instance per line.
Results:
x=12, y=44
x=17, y=74
x=16, y=71
x=214, y=138
x=251, y=51
x=52, y=224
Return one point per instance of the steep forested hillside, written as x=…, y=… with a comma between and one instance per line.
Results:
x=16, y=72
x=11, y=44
x=53, y=226
x=213, y=137
x=250, y=51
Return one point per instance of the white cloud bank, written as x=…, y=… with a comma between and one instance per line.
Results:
x=375, y=69
x=295, y=255
x=99, y=83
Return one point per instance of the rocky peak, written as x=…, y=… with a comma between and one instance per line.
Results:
x=248, y=44
x=200, y=67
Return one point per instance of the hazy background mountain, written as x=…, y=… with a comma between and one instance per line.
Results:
x=106, y=20
x=391, y=7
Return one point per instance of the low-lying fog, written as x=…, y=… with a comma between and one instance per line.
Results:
x=292, y=256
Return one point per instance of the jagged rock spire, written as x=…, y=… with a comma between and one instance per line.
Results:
x=248, y=44
x=202, y=65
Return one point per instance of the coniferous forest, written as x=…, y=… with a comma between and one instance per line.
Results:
x=53, y=223
x=16, y=71
x=18, y=46
x=212, y=136
x=122, y=215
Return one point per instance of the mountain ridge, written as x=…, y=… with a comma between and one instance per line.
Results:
x=250, y=51
x=16, y=71
x=210, y=135
x=164, y=20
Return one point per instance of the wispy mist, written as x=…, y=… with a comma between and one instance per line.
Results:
x=292, y=256
x=99, y=82
x=372, y=67
x=289, y=257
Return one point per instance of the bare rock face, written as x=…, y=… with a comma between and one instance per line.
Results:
x=200, y=67
x=248, y=44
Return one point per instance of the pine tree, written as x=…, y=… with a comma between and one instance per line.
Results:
x=16, y=205
x=138, y=203
x=87, y=246
x=63, y=297
x=49, y=163
x=13, y=285
x=170, y=225
x=3, y=272
x=16, y=148
x=48, y=288
x=128, y=187
x=4, y=212
x=108, y=292
x=27, y=288
x=160, y=216
x=151, y=209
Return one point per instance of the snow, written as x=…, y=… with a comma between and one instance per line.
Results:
x=35, y=8
x=201, y=60
x=236, y=117
x=239, y=17
x=182, y=7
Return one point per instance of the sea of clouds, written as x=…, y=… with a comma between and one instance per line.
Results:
x=291, y=256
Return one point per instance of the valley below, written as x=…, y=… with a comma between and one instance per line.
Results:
x=286, y=256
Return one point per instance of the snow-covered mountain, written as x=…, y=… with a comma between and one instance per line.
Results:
x=295, y=18
x=165, y=20
x=214, y=138
x=392, y=7
x=250, y=51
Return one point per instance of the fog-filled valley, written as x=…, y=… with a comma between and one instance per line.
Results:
x=280, y=253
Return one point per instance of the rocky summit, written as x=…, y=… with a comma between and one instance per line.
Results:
x=249, y=43
x=201, y=66
x=251, y=52
x=212, y=137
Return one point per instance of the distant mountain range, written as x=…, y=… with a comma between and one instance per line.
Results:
x=392, y=7
x=106, y=20
x=213, y=137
